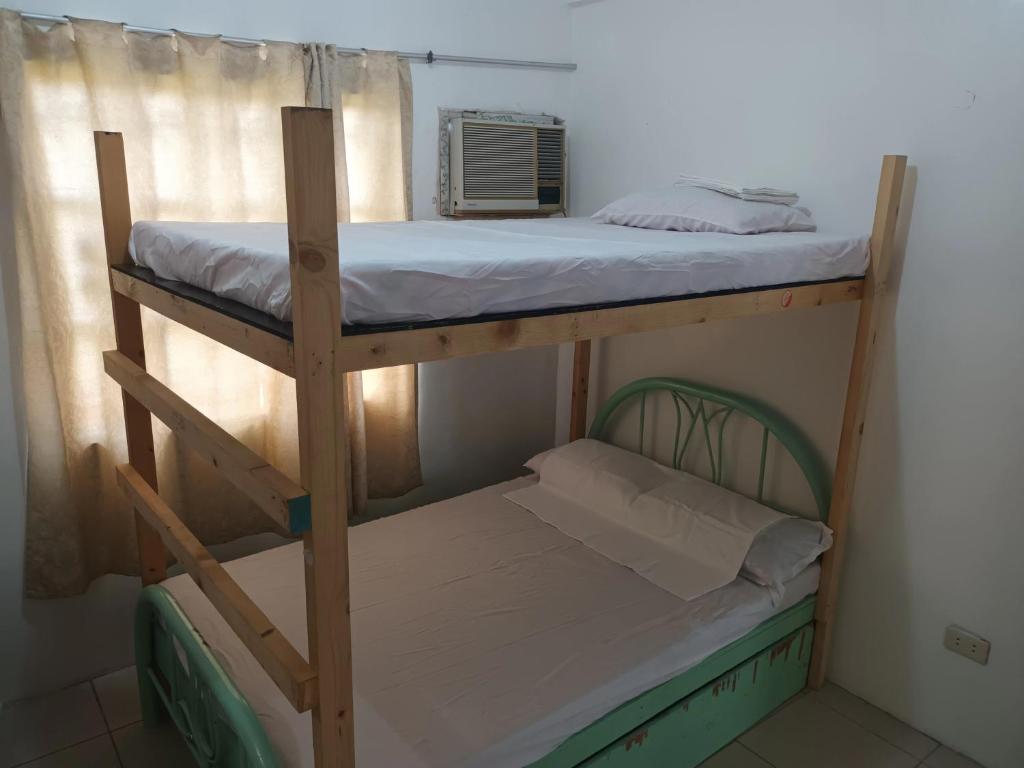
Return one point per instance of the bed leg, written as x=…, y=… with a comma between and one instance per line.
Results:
x=580, y=389
x=117, y=227
x=883, y=233
x=153, y=712
x=152, y=707
x=320, y=394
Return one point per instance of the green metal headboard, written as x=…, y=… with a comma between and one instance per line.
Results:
x=704, y=404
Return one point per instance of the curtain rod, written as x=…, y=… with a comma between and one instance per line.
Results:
x=428, y=58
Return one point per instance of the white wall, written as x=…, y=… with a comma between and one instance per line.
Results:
x=480, y=417
x=810, y=94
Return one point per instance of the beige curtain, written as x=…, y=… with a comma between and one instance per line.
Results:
x=374, y=124
x=202, y=132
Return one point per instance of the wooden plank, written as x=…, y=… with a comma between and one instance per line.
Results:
x=138, y=426
x=284, y=501
x=283, y=663
x=580, y=390
x=265, y=347
x=320, y=391
x=378, y=350
x=883, y=234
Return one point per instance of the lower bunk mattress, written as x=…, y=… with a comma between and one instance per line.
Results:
x=481, y=635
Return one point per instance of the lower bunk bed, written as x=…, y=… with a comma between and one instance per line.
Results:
x=483, y=636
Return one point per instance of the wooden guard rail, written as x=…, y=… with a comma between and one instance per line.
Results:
x=286, y=667
x=265, y=347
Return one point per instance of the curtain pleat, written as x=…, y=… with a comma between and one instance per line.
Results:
x=201, y=122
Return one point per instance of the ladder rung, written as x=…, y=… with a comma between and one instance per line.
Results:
x=286, y=667
x=285, y=501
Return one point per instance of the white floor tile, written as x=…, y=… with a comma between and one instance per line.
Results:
x=735, y=756
x=880, y=723
x=808, y=734
x=95, y=753
x=944, y=757
x=159, y=747
x=36, y=727
x=118, y=693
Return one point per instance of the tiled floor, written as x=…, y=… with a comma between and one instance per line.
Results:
x=91, y=725
x=97, y=725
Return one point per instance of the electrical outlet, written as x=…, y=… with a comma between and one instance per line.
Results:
x=967, y=644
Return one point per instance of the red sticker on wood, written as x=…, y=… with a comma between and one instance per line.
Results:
x=787, y=299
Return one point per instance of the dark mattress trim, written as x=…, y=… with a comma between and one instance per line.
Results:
x=271, y=324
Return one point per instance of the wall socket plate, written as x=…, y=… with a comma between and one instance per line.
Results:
x=967, y=644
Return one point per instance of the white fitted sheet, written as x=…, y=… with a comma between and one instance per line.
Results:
x=481, y=635
x=437, y=270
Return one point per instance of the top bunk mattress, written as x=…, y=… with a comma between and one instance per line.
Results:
x=425, y=271
x=482, y=637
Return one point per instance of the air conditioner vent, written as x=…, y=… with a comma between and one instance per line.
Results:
x=549, y=154
x=499, y=161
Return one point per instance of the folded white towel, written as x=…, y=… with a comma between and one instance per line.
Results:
x=753, y=194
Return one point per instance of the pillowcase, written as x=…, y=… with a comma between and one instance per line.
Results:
x=783, y=550
x=681, y=533
x=643, y=498
x=693, y=209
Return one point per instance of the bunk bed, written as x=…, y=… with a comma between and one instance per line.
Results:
x=682, y=719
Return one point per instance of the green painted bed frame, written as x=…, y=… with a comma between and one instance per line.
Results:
x=679, y=723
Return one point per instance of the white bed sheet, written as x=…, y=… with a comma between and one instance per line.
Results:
x=481, y=635
x=438, y=270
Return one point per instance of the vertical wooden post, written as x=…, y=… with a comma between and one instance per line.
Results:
x=117, y=227
x=320, y=392
x=580, y=389
x=883, y=233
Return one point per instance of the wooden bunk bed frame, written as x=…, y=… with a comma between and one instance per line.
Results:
x=318, y=355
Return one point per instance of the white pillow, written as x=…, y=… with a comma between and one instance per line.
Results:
x=682, y=533
x=783, y=550
x=693, y=209
x=642, y=497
